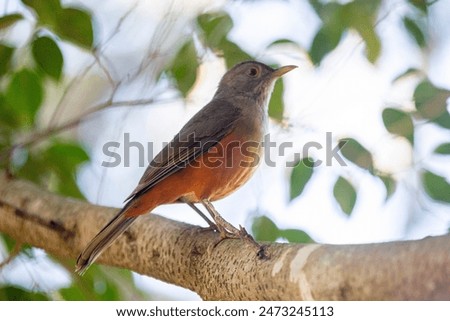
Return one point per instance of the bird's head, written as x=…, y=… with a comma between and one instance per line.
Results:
x=251, y=79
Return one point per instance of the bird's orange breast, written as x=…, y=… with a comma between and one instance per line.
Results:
x=213, y=175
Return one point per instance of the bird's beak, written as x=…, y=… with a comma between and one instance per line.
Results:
x=282, y=70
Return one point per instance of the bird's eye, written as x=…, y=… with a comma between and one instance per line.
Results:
x=253, y=72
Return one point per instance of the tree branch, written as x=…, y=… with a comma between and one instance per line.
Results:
x=185, y=255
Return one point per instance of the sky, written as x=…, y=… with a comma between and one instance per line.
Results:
x=344, y=96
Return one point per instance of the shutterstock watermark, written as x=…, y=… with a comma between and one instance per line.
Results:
x=227, y=153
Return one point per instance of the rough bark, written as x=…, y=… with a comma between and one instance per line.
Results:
x=185, y=255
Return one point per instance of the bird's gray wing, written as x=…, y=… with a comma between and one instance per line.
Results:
x=204, y=130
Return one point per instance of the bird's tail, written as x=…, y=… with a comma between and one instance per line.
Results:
x=103, y=240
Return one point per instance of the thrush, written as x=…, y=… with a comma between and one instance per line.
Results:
x=214, y=154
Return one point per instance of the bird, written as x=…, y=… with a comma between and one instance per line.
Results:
x=213, y=154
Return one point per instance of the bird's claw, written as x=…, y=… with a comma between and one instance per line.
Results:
x=245, y=236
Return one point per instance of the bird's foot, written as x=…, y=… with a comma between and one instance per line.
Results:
x=228, y=231
x=242, y=234
x=211, y=228
x=261, y=249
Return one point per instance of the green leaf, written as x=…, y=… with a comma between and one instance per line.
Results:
x=356, y=153
x=71, y=24
x=296, y=236
x=373, y=43
x=48, y=56
x=101, y=284
x=430, y=101
x=345, y=195
x=74, y=293
x=300, y=176
x=232, y=53
x=421, y=4
x=6, y=53
x=318, y=6
x=330, y=12
x=215, y=26
x=443, y=120
x=390, y=184
x=264, y=229
x=406, y=73
x=436, y=187
x=443, y=149
x=47, y=10
x=282, y=42
x=12, y=293
x=398, y=122
x=55, y=167
x=75, y=25
x=65, y=159
x=33, y=169
x=325, y=41
x=366, y=8
x=24, y=94
x=67, y=155
x=361, y=15
x=8, y=242
x=184, y=67
x=415, y=31
x=9, y=20
x=6, y=139
x=276, y=106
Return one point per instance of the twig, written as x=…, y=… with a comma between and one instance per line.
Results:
x=38, y=136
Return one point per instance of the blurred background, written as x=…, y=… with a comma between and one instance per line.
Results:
x=89, y=93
